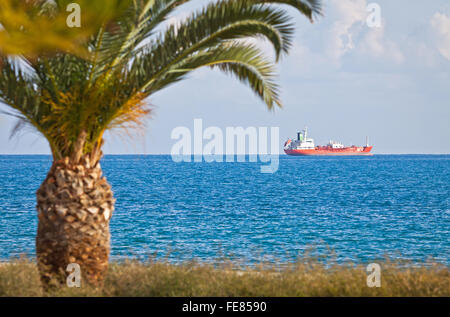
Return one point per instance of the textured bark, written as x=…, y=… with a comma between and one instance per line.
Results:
x=75, y=204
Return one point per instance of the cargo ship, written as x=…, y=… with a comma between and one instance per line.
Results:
x=305, y=146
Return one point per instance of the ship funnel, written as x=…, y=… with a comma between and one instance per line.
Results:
x=299, y=136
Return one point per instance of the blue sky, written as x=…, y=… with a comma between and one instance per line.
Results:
x=342, y=79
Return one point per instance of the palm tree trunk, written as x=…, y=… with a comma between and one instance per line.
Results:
x=74, y=206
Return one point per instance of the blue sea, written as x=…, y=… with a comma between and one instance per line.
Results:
x=359, y=209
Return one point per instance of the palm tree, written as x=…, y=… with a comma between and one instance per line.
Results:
x=72, y=101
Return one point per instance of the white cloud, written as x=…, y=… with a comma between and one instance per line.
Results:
x=440, y=23
x=344, y=33
x=376, y=44
x=350, y=16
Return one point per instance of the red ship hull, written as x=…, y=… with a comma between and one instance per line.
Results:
x=325, y=150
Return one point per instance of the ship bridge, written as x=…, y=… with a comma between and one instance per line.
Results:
x=302, y=142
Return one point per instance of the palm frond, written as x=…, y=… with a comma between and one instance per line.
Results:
x=309, y=8
x=136, y=24
x=217, y=23
x=21, y=92
x=245, y=61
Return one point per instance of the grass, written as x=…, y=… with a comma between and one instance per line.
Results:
x=311, y=278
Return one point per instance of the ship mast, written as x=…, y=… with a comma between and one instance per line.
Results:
x=367, y=141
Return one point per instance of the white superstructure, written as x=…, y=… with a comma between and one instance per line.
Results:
x=302, y=142
x=335, y=145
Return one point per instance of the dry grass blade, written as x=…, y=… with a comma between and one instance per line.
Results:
x=154, y=279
